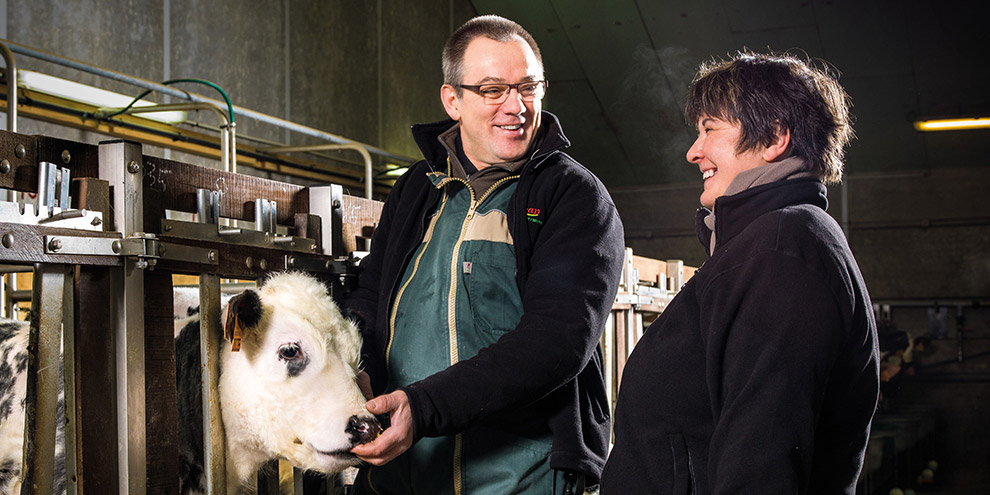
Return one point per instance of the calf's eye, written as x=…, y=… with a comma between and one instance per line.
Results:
x=289, y=352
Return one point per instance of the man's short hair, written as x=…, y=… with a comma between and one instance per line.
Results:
x=768, y=93
x=490, y=26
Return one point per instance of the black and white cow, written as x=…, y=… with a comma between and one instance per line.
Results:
x=290, y=391
x=13, y=387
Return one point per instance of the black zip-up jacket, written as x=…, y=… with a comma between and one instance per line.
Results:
x=762, y=375
x=569, y=245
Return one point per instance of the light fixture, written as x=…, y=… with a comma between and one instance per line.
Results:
x=395, y=170
x=952, y=124
x=70, y=90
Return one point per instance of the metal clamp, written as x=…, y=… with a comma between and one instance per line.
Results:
x=141, y=246
x=146, y=249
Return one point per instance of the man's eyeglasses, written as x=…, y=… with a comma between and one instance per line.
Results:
x=495, y=94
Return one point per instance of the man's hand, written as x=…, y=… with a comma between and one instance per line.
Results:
x=397, y=438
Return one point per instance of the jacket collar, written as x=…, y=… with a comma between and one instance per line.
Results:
x=549, y=138
x=737, y=211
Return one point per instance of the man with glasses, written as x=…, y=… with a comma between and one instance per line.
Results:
x=482, y=302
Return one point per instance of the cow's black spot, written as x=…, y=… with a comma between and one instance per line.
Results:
x=8, y=330
x=8, y=378
x=247, y=305
x=295, y=359
x=9, y=471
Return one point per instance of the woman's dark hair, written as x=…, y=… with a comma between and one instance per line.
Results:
x=766, y=94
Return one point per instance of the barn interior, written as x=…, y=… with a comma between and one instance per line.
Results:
x=323, y=95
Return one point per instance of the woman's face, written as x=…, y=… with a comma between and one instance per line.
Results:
x=715, y=153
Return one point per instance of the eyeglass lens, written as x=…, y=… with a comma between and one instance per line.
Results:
x=498, y=92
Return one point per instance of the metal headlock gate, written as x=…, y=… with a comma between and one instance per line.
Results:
x=103, y=254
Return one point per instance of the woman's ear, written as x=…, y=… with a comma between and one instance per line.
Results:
x=778, y=148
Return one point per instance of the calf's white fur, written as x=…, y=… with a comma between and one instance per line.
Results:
x=289, y=392
x=291, y=389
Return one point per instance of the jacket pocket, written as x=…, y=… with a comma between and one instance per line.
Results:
x=492, y=293
x=683, y=467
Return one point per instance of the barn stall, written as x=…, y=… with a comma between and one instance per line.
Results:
x=104, y=254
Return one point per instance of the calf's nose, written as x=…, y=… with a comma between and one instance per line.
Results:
x=363, y=429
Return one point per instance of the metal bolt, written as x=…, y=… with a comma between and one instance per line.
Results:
x=96, y=221
x=133, y=167
x=327, y=265
x=168, y=228
x=5, y=166
x=115, y=246
x=54, y=244
x=336, y=203
x=212, y=256
x=161, y=250
x=249, y=261
x=8, y=240
x=290, y=261
x=20, y=151
x=66, y=156
x=263, y=264
x=140, y=264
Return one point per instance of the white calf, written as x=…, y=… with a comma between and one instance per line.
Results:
x=290, y=391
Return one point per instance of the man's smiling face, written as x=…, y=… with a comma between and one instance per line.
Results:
x=503, y=132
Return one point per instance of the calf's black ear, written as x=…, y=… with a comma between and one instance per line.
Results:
x=243, y=311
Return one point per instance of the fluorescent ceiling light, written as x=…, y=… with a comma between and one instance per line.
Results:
x=70, y=90
x=952, y=124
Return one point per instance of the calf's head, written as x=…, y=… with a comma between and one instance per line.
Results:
x=290, y=389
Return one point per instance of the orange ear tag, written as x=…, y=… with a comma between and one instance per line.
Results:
x=233, y=331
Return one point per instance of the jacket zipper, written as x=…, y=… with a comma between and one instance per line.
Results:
x=451, y=305
x=451, y=296
x=398, y=295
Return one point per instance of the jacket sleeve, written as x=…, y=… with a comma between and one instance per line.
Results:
x=574, y=270
x=773, y=330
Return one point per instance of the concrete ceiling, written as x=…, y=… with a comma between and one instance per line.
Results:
x=618, y=72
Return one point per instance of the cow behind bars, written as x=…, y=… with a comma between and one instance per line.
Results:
x=289, y=391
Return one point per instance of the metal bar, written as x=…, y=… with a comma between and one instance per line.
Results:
x=161, y=88
x=209, y=341
x=120, y=166
x=228, y=151
x=608, y=354
x=208, y=206
x=360, y=148
x=72, y=460
x=46, y=187
x=263, y=216
x=325, y=202
x=8, y=57
x=42, y=378
x=64, y=181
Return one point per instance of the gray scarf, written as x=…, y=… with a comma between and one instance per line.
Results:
x=786, y=169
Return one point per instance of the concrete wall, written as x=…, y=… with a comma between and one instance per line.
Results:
x=362, y=70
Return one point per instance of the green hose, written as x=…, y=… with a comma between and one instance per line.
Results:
x=230, y=107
